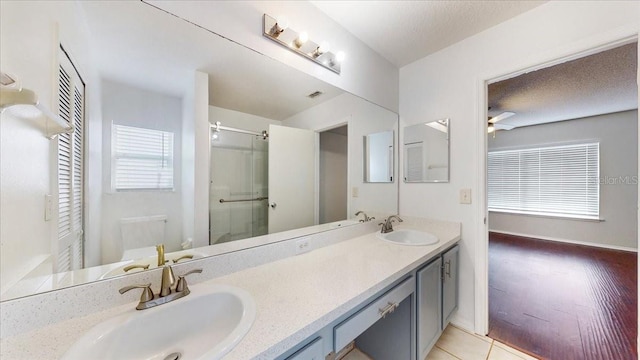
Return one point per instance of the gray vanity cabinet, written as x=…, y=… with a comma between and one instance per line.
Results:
x=437, y=300
x=449, y=284
x=428, y=306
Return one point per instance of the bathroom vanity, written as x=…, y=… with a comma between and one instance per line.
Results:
x=413, y=311
x=383, y=296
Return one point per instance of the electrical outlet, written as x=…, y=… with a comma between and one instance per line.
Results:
x=302, y=246
x=355, y=192
x=465, y=196
x=48, y=207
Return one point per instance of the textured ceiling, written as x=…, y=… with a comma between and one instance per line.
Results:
x=405, y=31
x=597, y=84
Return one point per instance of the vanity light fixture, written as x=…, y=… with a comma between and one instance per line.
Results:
x=279, y=31
x=24, y=104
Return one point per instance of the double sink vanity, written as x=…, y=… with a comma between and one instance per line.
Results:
x=370, y=290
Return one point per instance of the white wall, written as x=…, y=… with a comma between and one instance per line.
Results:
x=364, y=72
x=240, y=120
x=30, y=33
x=123, y=104
x=363, y=118
x=618, y=137
x=447, y=85
x=333, y=177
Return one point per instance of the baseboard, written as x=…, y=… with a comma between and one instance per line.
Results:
x=575, y=242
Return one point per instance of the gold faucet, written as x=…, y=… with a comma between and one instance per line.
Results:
x=149, y=300
x=160, y=250
x=387, y=225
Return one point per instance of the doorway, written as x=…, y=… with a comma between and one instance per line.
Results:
x=333, y=175
x=556, y=274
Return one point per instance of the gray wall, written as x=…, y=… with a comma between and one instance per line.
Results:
x=333, y=177
x=618, y=137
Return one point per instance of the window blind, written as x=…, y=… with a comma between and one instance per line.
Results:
x=554, y=180
x=143, y=158
x=70, y=169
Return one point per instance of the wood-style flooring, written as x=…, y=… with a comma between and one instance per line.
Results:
x=562, y=301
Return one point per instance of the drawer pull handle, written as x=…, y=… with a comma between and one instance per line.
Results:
x=447, y=266
x=391, y=307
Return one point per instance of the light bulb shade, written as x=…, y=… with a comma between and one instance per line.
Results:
x=282, y=22
x=301, y=39
x=324, y=47
x=340, y=56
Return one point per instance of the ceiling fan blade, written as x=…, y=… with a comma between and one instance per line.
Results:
x=503, y=126
x=501, y=117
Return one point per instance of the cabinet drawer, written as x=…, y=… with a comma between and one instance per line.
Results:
x=313, y=351
x=352, y=327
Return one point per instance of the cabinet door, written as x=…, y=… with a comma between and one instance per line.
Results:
x=428, y=307
x=313, y=351
x=449, y=284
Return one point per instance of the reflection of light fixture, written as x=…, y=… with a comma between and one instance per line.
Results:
x=441, y=125
x=301, y=44
x=24, y=104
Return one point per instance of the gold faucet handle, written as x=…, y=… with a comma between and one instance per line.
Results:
x=167, y=280
x=147, y=293
x=136, y=266
x=182, y=258
x=182, y=281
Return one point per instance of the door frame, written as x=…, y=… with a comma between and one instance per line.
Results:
x=578, y=49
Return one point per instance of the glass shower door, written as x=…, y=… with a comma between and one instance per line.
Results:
x=238, y=181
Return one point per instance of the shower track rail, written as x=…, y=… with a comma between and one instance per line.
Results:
x=222, y=201
x=218, y=127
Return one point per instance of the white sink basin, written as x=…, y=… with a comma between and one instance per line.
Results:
x=409, y=237
x=205, y=324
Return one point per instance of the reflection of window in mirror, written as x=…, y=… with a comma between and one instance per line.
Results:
x=142, y=158
x=378, y=157
x=70, y=169
x=426, y=152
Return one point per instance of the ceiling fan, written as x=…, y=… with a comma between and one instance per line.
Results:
x=493, y=125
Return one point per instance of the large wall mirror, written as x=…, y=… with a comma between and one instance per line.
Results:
x=161, y=163
x=426, y=152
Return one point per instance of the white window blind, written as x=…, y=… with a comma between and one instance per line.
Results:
x=554, y=180
x=70, y=168
x=143, y=158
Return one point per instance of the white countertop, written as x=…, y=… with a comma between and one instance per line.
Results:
x=295, y=297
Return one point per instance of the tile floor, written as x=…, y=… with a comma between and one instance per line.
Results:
x=457, y=344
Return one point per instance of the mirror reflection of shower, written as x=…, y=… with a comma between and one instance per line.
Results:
x=238, y=184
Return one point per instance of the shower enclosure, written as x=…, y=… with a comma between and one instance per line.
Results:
x=238, y=184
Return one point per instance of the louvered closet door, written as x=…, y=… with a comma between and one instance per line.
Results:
x=70, y=169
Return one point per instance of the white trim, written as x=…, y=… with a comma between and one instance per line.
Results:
x=576, y=242
x=547, y=215
x=587, y=46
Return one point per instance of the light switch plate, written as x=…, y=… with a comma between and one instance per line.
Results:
x=355, y=191
x=465, y=196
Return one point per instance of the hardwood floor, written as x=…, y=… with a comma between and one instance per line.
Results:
x=562, y=301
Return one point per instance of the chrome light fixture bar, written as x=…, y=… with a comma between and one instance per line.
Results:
x=300, y=43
